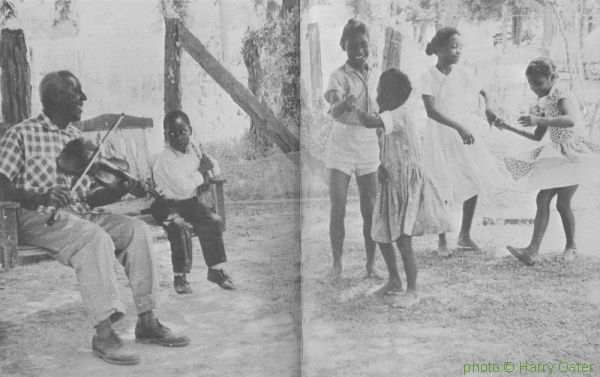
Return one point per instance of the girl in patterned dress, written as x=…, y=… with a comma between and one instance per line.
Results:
x=453, y=152
x=555, y=169
x=407, y=203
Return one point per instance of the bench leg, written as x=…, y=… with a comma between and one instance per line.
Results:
x=8, y=238
x=221, y=202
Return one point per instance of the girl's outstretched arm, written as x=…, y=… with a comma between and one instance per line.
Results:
x=564, y=120
x=489, y=113
x=537, y=134
x=433, y=113
x=338, y=105
x=369, y=120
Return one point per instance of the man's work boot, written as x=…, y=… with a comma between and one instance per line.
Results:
x=110, y=348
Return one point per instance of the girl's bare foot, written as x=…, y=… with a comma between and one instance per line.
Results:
x=525, y=255
x=570, y=253
x=372, y=273
x=406, y=300
x=467, y=243
x=392, y=287
x=334, y=273
x=443, y=250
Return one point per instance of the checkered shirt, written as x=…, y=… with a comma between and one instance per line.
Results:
x=28, y=153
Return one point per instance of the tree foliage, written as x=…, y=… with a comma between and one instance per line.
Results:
x=63, y=13
x=7, y=11
x=175, y=9
x=272, y=57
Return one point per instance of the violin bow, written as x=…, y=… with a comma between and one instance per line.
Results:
x=54, y=216
x=200, y=153
x=96, y=153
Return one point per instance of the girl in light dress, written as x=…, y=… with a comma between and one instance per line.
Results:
x=407, y=203
x=555, y=169
x=453, y=153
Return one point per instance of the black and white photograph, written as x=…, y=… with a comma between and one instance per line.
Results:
x=299, y=188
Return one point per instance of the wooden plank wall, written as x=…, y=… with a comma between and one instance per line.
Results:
x=128, y=142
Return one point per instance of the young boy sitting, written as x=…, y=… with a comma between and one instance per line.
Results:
x=180, y=170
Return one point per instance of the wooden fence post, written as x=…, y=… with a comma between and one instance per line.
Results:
x=172, y=75
x=392, y=49
x=15, y=84
x=316, y=75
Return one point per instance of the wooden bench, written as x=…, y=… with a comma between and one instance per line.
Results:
x=128, y=142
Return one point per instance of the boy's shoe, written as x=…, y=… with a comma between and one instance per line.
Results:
x=157, y=333
x=112, y=350
x=220, y=278
x=181, y=285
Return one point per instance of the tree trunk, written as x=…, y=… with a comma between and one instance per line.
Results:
x=290, y=91
x=505, y=16
x=316, y=75
x=549, y=29
x=256, y=134
x=392, y=49
x=15, y=84
x=223, y=28
x=172, y=75
x=517, y=25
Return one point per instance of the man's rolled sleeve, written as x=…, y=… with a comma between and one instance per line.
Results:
x=11, y=154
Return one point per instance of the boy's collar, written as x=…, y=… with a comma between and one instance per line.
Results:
x=187, y=149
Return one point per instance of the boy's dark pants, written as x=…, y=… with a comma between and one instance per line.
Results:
x=206, y=223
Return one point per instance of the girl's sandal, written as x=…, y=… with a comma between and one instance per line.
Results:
x=569, y=254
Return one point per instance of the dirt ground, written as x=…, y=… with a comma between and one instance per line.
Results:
x=253, y=331
x=474, y=307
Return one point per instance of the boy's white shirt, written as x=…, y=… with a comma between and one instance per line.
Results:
x=176, y=174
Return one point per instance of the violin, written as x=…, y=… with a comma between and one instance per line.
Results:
x=111, y=173
x=79, y=159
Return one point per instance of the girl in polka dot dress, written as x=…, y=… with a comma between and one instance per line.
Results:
x=555, y=169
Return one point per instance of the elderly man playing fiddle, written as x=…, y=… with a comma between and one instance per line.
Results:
x=81, y=237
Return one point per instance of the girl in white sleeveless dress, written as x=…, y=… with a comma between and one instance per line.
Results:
x=453, y=152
